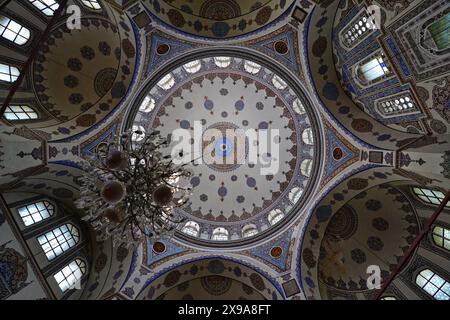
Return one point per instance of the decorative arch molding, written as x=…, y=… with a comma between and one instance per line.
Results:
x=230, y=267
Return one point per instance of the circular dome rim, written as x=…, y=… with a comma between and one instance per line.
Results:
x=292, y=81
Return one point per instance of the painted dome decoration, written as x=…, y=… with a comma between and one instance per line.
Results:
x=237, y=181
x=219, y=19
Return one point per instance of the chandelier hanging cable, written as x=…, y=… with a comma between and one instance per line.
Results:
x=130, y=190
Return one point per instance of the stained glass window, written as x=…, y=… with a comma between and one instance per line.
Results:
x=251, y=67
x=439, y=31
x=306, y=166
x=249, y=230
x=220, y=234
x=59, y=240
x=8, y=73
x=222, y=62
x=36, y=212
x=279, y=83
x=298, y=106
x=275, y=216
x=193, y=66
x=20, y=112
x=295, y=194
x=441, y=237
x=374, y=69
x=430, y=196
x=13, y=31
x=307, y=136
x=433, y=284
x=68, y=276
x=47, y=7
x=166, y=82
x=138, y=133
x=147, y=105
x=192, y=228
x=93, y=4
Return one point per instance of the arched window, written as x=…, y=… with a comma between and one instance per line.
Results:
x=398, y=105
x=295, y=194
x=138, y=133
x=92, y=4
x=358, y=29
x=147, y=105
x=222, y=62
x=220, y=234
x=20, y=112
x=70, y=275
x=193, y=66
x=307, y=136
x=47, y=7
x=36, y=212
x=439, y=32
x=279, y=83
x=430, y=196
x=275, y=216
x=8, y=73
x=251, y=67
x=306, y=166
x=373, y=69
x=166, y=82
x=249, y=230
x=298, y=107
x=13, y=31
x=441, y=237
x=433, y=284
x=192, y=228
x=59, y=240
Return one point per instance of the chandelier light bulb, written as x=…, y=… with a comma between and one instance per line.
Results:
x=163, y=195
x=115, y=159
x=113, y=214
x=113, y=191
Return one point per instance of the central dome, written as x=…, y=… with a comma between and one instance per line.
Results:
x=248, y=137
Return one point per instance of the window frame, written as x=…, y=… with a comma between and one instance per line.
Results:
x=249, y=230
x=71, y=286
x=53, y=246
x=12, y=20
x=35, y=203
x=10, y=74
x=88, y=4
x=192, y=67
x=192, y=226
x=359, y=74
x=166, y=82
x=32, y=110
x=47, y=7
x=440, y=235
x=428, y=202
x=427, y=281
x=222, y=61
x=275, y=215
x=220, y=231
